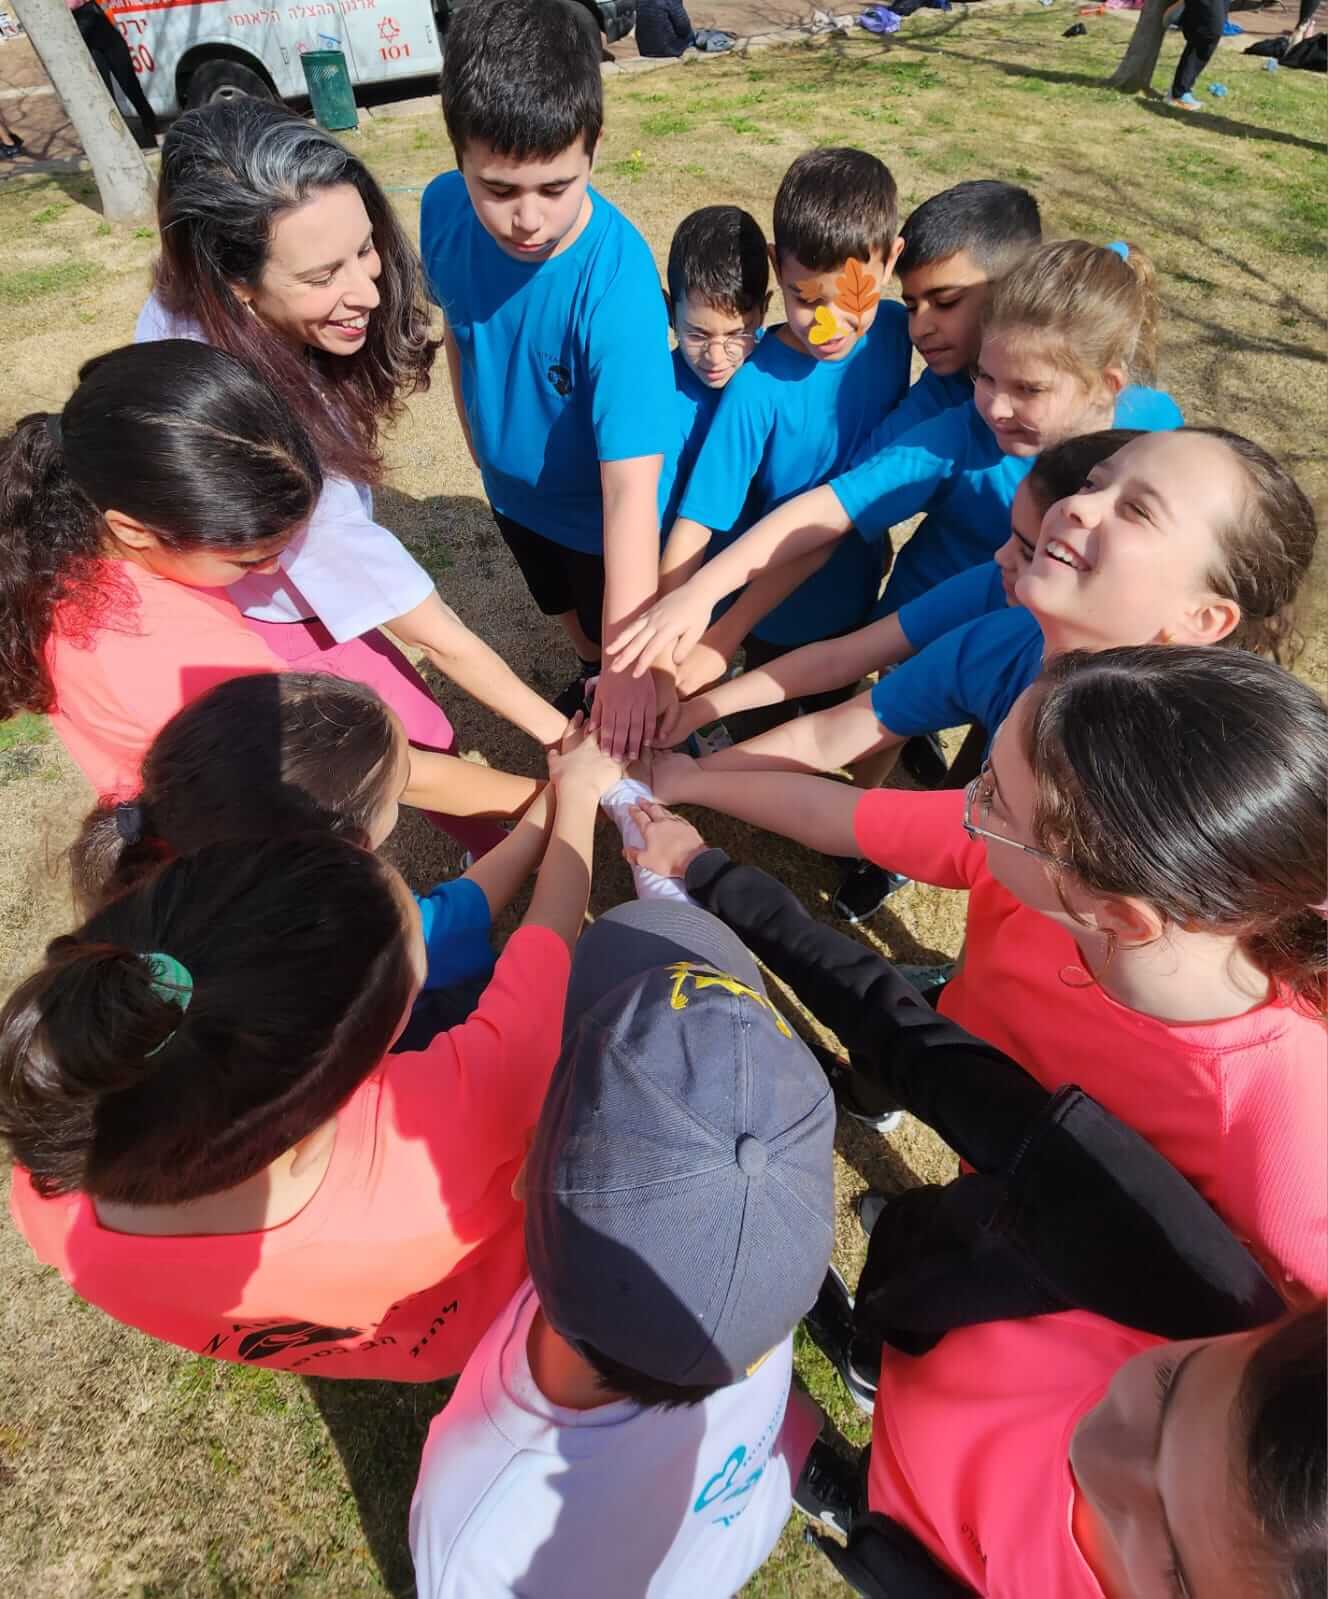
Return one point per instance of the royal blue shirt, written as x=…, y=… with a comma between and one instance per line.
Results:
x=961, y=598
x=952, y=468
x=785, y=423
x=564, y=362
x=456, y=922
x=973, y=673
x=694, y=409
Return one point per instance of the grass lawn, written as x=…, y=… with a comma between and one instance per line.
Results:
x=131, y=1469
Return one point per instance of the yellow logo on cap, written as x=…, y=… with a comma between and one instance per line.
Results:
x=708, y=977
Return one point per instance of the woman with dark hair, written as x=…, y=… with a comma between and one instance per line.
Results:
x=278, y=246
x=172, y=473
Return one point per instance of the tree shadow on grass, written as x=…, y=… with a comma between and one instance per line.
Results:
x=378, y=1430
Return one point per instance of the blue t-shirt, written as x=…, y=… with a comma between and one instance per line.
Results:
x=973, y=673
x=694, y=409
x=929, y=396
x=456, y=922
x=786, y=423
x=952, y=468
x=961, y=598
x=564, y=362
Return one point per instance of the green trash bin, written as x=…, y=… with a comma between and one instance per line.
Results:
x=330, y=89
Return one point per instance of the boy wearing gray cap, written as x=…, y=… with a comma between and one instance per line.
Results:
x=627, y=1427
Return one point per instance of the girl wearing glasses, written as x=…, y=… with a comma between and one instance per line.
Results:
x=1146, y=875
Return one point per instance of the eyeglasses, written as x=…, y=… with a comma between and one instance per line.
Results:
x=974, y=797
x=734, y=345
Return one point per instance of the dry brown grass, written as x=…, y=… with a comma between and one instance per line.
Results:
x=131, y=1469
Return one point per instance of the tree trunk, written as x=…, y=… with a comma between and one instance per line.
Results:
x=123, y=179
x=1139, y=62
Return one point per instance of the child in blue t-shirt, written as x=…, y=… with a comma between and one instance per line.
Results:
x=807, y=399
x=718, y=293
x=1063, y=333
x=556, y=337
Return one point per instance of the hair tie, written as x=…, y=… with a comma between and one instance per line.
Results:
x=129, y=822
x=1120, y=248
x=55, y=429
x=172, y=981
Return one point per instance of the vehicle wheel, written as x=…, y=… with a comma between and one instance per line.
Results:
x=215, y=81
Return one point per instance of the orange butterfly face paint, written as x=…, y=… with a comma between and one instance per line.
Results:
x=824, y=326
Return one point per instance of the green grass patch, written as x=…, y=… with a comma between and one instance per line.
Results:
x=663, y=123
x=49, y=213
x=29, y=284
x=24, y=729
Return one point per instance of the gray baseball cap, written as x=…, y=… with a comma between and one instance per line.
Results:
x=679, y=1191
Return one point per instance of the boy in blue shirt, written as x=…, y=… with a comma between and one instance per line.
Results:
x=556, y=338
x=806, y=401
x=718, y=293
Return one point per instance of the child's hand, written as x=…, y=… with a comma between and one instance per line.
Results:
x=684, y=720
x=671, y=844
x=705, y=666
x=624, y=712
x=668, y=632
x=582, y=763
x=671, y=775
x=666, y=705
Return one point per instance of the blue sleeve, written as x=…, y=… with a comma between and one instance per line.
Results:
x=437, y=218
x=730, y=456
x=905, y=477
x=972, y=674
x=1153, y=410
x=959, y=599
x=927, y=398
x=627, y=351
x=456, y=922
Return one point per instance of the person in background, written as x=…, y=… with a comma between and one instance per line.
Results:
x=663, y=27
x=110, y=53
x=1201, y=23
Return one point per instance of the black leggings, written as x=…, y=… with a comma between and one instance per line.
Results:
x=1201, y=25
x=107, y=48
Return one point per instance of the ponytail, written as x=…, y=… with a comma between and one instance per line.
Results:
x=1195, y=780
x=298, y=976
x=50, y=541
x=177, y=436
x=1091, y=306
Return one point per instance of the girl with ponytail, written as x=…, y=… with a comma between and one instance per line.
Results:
x=170, y=473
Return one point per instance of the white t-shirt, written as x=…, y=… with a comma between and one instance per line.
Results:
x=518, y=1496
x=345, y=569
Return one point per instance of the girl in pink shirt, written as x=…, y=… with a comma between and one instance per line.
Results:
x=171, y=472
x=1071, y=1457
x=212, y=1141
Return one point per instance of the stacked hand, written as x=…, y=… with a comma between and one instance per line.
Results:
x=582, y=764
x=670, y=844
x=665, y=635
x=623, y=713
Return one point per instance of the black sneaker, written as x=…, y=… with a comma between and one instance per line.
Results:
x=865, y=888
x=829, y=1325
x=829, y=1489
x=869, y=1207
x=924, y=760
x=844, y=1085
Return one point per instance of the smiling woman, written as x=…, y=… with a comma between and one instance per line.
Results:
x=279, y=247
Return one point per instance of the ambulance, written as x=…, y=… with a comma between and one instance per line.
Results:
x=191, y=53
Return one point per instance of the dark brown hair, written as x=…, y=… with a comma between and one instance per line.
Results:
x=1279, y=1413
x=718, y=256
x=184, y=439
x=522, y=76
x=1196, y=780
x=994, y=223
x=1061, y=471
x=228, y=171
x=301, y=974
x=270, y=755
x=833, y=205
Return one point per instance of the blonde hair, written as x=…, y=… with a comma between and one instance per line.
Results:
x=1092, y=307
